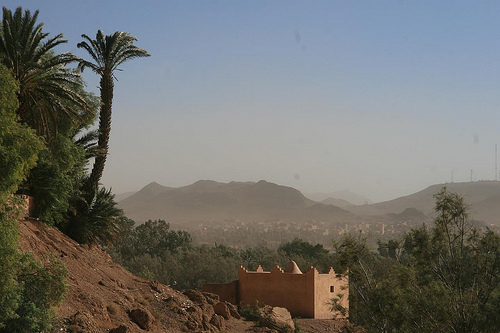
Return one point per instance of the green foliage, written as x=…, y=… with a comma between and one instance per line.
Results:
x=336, y=305
x=43, y=286
x=107, y=53
x=51, y=99
x=306, y=254
x=298, y=329
x=28, y=288
x=60, y=171
x=48, y=90
x=251, y=313
x=54, y=181
x=303, y=248
x=445, y=279
x=18, y=144
x=206, y=264
x=366, y=269
x=97, y=220
x=9, y=258
x=153, y=251
x=154, y=238
x=264, y=256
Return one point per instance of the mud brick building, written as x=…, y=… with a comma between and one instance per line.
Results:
x=306, y=295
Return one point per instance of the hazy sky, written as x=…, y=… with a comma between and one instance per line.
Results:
x=383, y=98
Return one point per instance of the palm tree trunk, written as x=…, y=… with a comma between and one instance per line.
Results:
x=104, y=130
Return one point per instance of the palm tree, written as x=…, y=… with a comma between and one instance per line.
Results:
x=97, y=221
x=48, y=88
x=107, y=53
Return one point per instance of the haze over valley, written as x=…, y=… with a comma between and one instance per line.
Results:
x=244, y=213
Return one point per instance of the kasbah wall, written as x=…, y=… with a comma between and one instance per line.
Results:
x=306, y=295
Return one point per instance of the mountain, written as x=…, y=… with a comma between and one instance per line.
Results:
x=208, y=200
x=336, y=202
x=483, y=198
x=345, y=195
x=119, y=197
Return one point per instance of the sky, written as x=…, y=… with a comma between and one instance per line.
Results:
x=383, y=98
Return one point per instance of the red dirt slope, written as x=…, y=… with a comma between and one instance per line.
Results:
x=101, y=294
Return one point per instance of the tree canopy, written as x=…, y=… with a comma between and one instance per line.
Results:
x=48, y=89
x=19, y=145
x=444, y=279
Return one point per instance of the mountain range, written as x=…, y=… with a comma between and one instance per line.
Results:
x=339, y=198
x=482, y=197
x=207, y=200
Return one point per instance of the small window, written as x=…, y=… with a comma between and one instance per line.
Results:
x=332, y=289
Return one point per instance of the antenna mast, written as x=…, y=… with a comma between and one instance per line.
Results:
x=496, y=163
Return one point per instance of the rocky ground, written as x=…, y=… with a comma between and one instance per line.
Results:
x=104, y=297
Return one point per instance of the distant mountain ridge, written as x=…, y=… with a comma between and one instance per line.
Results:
x=207, y=200
x=120, y=196
x=483, y=198
x=336, y=202
x=345, y=195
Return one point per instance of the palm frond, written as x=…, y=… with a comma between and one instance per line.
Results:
x=48, y=89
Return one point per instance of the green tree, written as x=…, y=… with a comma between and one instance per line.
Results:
x=305, y=254
x=445, y=279
x=460, y=265
x=107, y=53
x=54, y=182
x=9, y=258
x=261, y=255
x=97, y=221
x=47, y=88
x=18, y=154
x=19, y=145
x=51, y=100
x=28, y=288
x=369, y=297
x=153, y=238
x=43, y=286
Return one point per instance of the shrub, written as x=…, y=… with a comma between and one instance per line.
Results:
x=43, y=285
x=9, y=257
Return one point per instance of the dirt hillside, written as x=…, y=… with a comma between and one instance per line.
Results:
x=104, y=297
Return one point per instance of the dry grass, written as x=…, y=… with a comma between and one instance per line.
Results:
x=142, y=300
x=113, y=308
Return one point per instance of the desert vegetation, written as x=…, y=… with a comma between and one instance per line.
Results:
x=154, y=251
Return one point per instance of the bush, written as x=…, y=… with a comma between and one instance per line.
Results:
x=43, y=286
x=9, y=258
x=28, y=288
x=251, y=313
x=19, y=145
